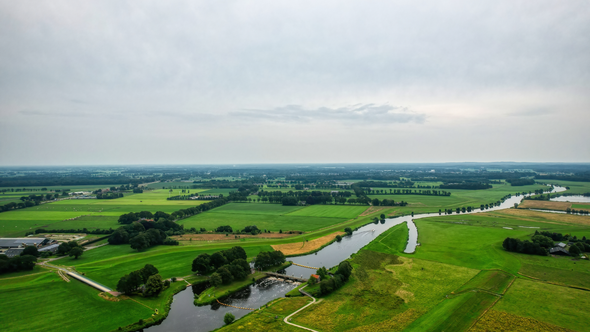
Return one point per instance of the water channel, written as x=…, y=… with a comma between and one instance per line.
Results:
x=572, y=199
x=184, y=316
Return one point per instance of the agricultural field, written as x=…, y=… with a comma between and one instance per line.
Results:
x=87, y=213
x=273, y=217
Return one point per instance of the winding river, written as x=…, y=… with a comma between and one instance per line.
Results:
x=184, y=316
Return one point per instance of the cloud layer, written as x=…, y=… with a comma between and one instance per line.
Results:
x=278, y=81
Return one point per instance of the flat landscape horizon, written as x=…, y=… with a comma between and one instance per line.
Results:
x=331, y=166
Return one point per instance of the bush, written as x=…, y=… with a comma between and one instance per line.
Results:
x=228, y=318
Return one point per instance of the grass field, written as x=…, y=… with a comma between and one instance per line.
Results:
x=495, y=281
x=385, y=293
x=565, y=307
x=53, y=302
x=96, y=213
x=273, y=217
x=330, y=211
x=269, y=319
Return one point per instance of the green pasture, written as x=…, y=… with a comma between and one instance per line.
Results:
x=270, y=222
x=385, y=293
x=562, y=306
x=330, y=211
x=250, y=208
x=51, y=302
x=393, y=241
x=92, y=213
x=581, y=206
x=576, y=187
x=490, y=280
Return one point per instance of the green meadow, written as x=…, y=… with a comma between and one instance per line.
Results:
x=273, y=217
x=92, y=213
x=46, y=300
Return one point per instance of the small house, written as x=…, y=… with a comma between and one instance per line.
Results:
x=316, y=276
x=559, y=251
x=561, y=245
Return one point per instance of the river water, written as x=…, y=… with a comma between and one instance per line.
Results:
x=573, y=199
x=184, y=316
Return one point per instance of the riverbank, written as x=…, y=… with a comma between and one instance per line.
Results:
x=212, y=294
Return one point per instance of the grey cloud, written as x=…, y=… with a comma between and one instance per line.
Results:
x=533, y=112
x=53, y=113
x=365, y=114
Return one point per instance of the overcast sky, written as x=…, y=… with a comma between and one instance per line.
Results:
x=190, y=82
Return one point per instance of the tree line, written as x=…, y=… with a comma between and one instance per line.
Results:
x=144, y=234
x=17, y=263
x=407, y=192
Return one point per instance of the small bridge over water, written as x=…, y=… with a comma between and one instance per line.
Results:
x=284, y=276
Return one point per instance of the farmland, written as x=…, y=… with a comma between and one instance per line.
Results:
x=459, y=275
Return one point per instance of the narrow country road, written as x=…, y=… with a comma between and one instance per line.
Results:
x=286, y=320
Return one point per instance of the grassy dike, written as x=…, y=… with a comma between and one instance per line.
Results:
x=212, y=294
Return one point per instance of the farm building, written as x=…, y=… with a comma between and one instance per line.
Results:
x=559, y=251
x=561, y=244
x=7, y=243
x=316, y=276
x=50, y=248
x=13, y=252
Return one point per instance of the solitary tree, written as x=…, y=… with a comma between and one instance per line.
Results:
x=76, y=252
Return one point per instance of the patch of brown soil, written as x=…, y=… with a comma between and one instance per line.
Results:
x=299, y=248
x=221, y=237
x=373, y=209
x=548, y=217
x=546, y=205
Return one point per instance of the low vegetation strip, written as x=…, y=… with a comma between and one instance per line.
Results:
x=499, y=321
x=495, y=281
x=299, y=248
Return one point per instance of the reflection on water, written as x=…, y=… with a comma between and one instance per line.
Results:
x=184, y=316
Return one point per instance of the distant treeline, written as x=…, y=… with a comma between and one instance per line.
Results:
x=581, y=177
x=71, y=230
x=466, y=185
x=67, y=180
x=520, y=182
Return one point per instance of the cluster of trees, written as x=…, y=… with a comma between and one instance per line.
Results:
x=228, y=265
x=72, y=249
x=574, y=211
x=466, y=185
x=520, y=182
x=387, y=202
x=525, y=247
x=109, y=195
x=562, y=237
x=252, y=230
x=144, y=234
x=224, y=229
x=267, y=259
x=17, y=263
x=147, y=276
x=27, y=201
x=329, y=284
x=135, y=216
